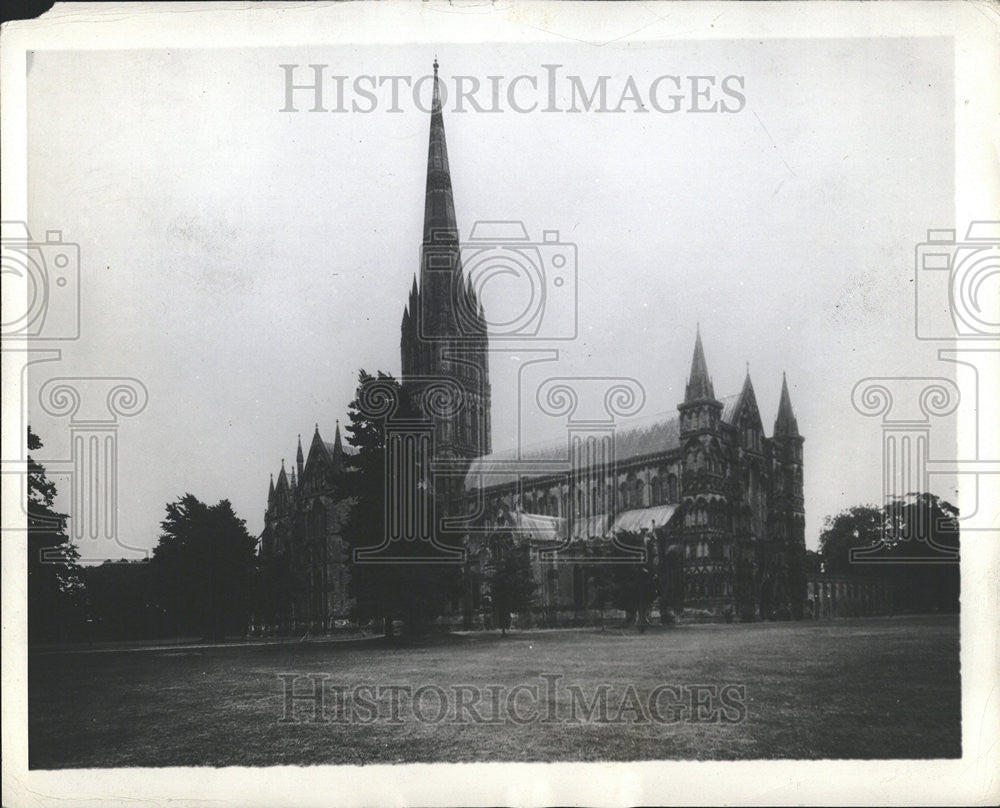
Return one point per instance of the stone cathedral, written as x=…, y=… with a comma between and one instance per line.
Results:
x=717, y=502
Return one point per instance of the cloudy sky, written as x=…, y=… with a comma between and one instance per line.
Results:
x=244, y=262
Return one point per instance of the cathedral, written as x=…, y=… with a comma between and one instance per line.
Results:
x=716, y=504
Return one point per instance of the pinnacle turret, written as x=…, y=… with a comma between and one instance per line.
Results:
x=338, y=450
x=699, y=385
x=785, y=425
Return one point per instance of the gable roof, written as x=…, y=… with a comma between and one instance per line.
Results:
x=634, y=437
x=730, y=407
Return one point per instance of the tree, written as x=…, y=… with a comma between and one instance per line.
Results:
x=600, y=578
x=511, y=583
x=55, y=591
x=204, y=568
x=274, y=585
x=122, y=600
x=414, y=585
x=635, y=580
x=911, y=543
x=857, y=527
x=923, y=541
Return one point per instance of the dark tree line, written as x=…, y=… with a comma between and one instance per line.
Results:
x=56, y=595
x=204, y=579
x=199, y=582
x=911, y=543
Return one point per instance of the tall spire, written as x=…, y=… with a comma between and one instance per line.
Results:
x=338, y=449
x=785, y=425
x=699, y=384
x=299, y=459
x=439, y=204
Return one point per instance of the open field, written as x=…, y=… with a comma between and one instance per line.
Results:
x=862, y=688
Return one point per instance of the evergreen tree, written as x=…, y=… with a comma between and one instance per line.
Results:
x=511, y=582
x=122, y=600
x=414, y=586
x=600, y=577
x=204, y=568
x=634, y=581
x=55, y=591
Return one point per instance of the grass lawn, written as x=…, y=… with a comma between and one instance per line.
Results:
x=860, y=688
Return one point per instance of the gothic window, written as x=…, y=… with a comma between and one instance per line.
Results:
x=657, y=493
x=672, y=488
x=594, y=505
x=623, y=497
x=640, y=494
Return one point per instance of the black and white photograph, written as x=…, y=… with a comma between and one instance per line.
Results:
x=479, y=403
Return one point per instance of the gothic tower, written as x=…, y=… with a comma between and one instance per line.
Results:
x=786, y=520
x=707, y=553
x=443, y=340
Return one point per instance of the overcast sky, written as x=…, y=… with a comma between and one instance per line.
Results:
x=244, y=262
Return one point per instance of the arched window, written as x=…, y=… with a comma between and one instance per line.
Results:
x=594, y=505
x=579, y=502
x=640, y=494
x=672, y=488
x=657, y=487
x=623, y=497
